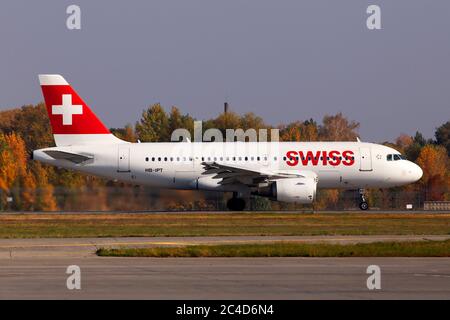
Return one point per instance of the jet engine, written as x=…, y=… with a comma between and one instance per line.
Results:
x=295, y=190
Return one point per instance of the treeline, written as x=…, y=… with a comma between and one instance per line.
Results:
x=29, y=185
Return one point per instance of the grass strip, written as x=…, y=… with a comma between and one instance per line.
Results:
x=290, y=249
x=201, y=224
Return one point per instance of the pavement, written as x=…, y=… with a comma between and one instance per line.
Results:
x=36, y=269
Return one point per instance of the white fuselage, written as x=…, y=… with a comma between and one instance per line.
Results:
x=180, y=165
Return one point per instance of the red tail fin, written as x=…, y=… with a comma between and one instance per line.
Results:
x=72, y=120
x=68, y=113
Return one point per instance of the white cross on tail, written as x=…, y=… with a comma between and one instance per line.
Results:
x=67, y=110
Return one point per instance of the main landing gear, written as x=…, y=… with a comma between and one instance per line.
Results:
x=235, y=203
x=363, y=205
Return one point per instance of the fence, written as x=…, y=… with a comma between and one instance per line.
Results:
x=122, y=197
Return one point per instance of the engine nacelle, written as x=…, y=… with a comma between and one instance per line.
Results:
x=294, y=190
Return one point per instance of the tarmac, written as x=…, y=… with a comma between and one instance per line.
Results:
x=36, y=269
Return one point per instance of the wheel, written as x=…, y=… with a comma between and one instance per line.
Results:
x=364, y=205
x=231, y=204
x=236, y=204
x=240, y=204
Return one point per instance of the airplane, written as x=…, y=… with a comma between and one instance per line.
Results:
x=281, y=171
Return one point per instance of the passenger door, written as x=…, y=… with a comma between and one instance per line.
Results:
x=365, y=159
x=123, y=159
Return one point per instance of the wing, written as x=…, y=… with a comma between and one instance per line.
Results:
x=232, y=174
x=72, y=157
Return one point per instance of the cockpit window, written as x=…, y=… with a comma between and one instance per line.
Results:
x=395, y=157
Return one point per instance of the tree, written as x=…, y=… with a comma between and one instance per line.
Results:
x=127, y=133
x=153, y=126
x=178, y=121
x=45, y=199
x=413, y=150
x=33, y=125
x=338, y=128
x=252, y=121
x=403, y=141
x=443, y=136
x=300, y=131
x=434, y=162
x=16, y=180
x=226, y=120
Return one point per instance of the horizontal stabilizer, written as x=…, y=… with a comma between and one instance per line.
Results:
x=73, y=157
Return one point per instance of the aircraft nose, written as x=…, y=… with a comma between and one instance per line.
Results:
x=418, y=172
x=414, y=172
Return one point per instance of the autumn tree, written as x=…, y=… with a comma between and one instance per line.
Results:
x=16, y=180
x=44, y=199
x=443, y=136
x=226, y=120
x=413, y=150
x=32, y=124
x=299, y=131
x=252, y=121
x=338, y=128
x=154, y=125
x=434, y=162
x=403, y=142
x=127, y=133
x=177, y=120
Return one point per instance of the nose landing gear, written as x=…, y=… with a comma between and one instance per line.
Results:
x=363, y=205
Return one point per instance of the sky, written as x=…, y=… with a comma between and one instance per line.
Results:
x=283, y=60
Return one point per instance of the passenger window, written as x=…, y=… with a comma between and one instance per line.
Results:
x=146, y=159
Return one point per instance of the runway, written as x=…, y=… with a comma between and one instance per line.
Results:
x=36, y=269
x=225, y=278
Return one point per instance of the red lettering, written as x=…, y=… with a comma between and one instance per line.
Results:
x=292, y=158
x=309, y=157
x=334, y=158
x=349, y=158
x=324, y=158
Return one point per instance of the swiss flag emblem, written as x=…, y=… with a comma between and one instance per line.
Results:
x=68, y=113
x=67, y=109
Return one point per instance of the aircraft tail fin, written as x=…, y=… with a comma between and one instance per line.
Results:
x=72, y=121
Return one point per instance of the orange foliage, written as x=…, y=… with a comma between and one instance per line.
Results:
x=434, y=162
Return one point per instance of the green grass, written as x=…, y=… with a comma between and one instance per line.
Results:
x=202, y=224
x=291, y=249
